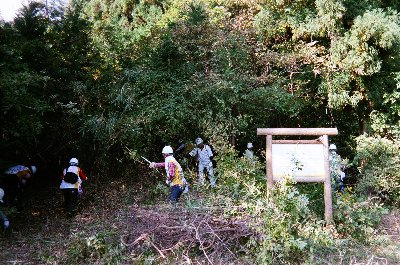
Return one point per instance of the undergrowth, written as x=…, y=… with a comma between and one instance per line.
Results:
x=235, y=223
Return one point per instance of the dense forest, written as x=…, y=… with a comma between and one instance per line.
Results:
x=109, y=81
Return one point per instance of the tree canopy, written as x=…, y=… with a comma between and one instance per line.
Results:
x=106, y=75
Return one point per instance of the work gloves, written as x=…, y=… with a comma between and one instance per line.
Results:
x=342, y=175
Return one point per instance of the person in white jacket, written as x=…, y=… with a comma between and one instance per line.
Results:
x=249, y=153
x=203, y=154
x=71, y=180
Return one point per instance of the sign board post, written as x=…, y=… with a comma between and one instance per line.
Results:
x=305, y=160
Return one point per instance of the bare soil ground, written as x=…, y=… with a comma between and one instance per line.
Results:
x=391, y=225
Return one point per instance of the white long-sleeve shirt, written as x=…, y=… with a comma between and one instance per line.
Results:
x=203, y=155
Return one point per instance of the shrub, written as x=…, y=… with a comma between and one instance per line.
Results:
x=99, y=248
x=357, y=218
x=288, y=225
x=378, y=161
x=286, y=228
x=289, y=230
x=238, y=178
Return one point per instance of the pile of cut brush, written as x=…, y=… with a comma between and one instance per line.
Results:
x=187, y=234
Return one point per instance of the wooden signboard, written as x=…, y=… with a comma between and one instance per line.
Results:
x=305, y=160
x=302, y=161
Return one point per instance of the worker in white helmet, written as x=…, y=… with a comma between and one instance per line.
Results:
x=22, y=173
x=71, y=180
x=249, y=153
x=336, y=166
x=203, y=154
x=3, y=218
x=175, y=178
x=13, y=182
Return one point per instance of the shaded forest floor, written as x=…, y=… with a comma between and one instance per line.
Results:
x=115, y=225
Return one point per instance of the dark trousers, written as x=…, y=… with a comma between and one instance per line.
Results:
x=338, y=185
x=70, y=201
x=3, y=217
x=12, y=190
x=175, y=193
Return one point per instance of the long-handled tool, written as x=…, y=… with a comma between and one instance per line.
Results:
x=145, y=159
x=148, y=161
x=186, y=189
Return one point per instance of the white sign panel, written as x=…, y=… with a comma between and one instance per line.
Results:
x=297, y=160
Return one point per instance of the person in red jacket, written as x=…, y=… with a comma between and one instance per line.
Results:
x=71, y=180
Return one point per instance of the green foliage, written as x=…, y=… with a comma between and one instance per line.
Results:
x=314, y=193
x=160, y=191
x=289, y=229
x=378, y=165
x=101, y=247
x=358, y=8
x=23, y=108
x=289, y=225
x=43, y=53
x=357, y=218
x=117, y=71
x=278, y=20
x=327, y=20
x=240, y=179
x=386, y=122
x=24, y=53
x=358, y=50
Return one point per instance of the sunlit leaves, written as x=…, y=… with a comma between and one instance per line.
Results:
x=358, y=50
x=326, y=22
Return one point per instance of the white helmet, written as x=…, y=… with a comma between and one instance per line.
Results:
x=33, y=169
x=198, y=140
x=167, y=150
x=249, y=145
x=73, y=161
x=1, y=195
x=332, y=147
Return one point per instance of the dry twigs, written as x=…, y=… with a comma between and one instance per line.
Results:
x=215, y=237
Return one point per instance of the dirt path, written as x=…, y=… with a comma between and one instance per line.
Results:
x=391, y=225
x=34, y=232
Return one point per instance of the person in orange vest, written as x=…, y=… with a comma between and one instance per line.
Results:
x=71, y=180
x=175, y=178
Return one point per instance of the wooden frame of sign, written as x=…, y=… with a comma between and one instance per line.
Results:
x=322, y=133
